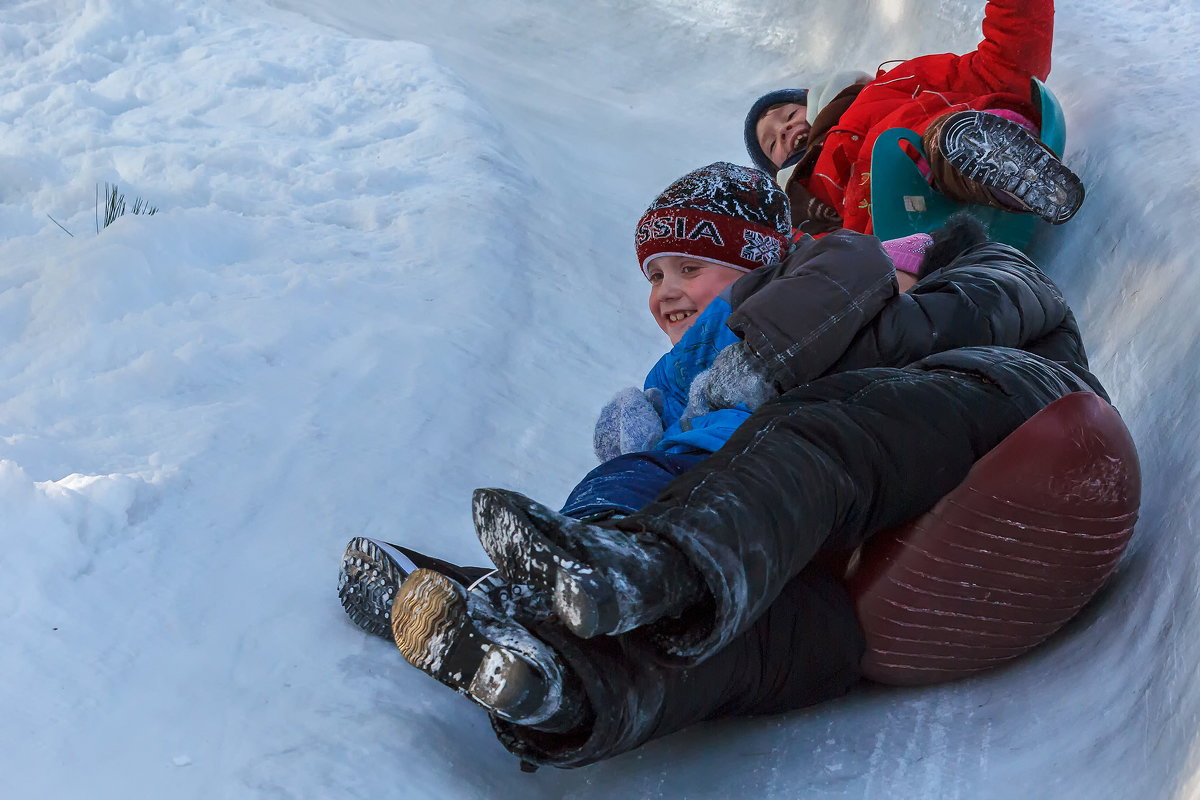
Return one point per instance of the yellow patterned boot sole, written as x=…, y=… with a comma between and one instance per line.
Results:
x=492, y=660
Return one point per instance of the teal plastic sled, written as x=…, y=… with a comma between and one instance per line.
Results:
x=903, y=203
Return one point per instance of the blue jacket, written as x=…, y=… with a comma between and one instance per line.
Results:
x=673, y=375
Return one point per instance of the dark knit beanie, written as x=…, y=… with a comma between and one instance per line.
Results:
x=778, y=97
x=732, y=215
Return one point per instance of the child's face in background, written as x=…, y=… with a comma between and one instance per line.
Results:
x=681, y=287
x=782, y=130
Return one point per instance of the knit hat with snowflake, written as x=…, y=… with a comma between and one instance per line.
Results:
x=723, y=213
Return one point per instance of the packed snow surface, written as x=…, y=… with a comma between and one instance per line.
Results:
x=392, y=262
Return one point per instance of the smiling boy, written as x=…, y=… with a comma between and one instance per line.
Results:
x=705, y=231
x=782, y=131
x=681, y=287
x=699, y=236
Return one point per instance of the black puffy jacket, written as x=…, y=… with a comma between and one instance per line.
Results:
x=833, y=305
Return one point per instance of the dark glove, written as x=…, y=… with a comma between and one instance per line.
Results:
x=961, y=232
x=630, y=423
x=734, y=377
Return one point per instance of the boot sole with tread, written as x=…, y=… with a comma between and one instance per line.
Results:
x=502, y=668
x=370, y=575
x=1000, y=154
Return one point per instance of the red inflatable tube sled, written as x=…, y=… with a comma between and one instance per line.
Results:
x=1007, y=557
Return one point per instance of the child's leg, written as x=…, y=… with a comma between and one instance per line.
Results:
x=823, y=467
x=994, y=158
x=952, y=183
x=826, y=466
x=373, y=570
x=804, y=649
x=626, y=483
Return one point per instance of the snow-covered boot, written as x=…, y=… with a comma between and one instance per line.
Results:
x=1004, y=157
x=470, y=641
x=603, y=580
x=371, y=573
x=804, y=649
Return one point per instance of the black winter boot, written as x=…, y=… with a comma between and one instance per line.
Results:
x=470, y=641
x=603, y=580
x=371, y=573
x=1003, y=156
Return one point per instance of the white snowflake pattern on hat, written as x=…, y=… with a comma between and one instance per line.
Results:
x=760, y=247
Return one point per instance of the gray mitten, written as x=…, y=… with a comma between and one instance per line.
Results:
x=734, y=377
x=630, y=423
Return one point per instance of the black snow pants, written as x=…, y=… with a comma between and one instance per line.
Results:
x=823, y=467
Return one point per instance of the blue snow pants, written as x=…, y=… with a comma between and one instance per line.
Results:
x=627, y=483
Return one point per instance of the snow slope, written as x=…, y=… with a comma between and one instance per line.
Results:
x=393, y=262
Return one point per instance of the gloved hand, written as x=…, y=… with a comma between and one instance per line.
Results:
x=630, y=423
x=734, y=377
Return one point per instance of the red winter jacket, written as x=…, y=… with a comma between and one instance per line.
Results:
x=1017, y=35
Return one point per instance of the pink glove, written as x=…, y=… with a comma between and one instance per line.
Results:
x=908, y=253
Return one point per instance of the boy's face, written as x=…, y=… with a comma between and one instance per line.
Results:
x=782, y=130
x=681, y=287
